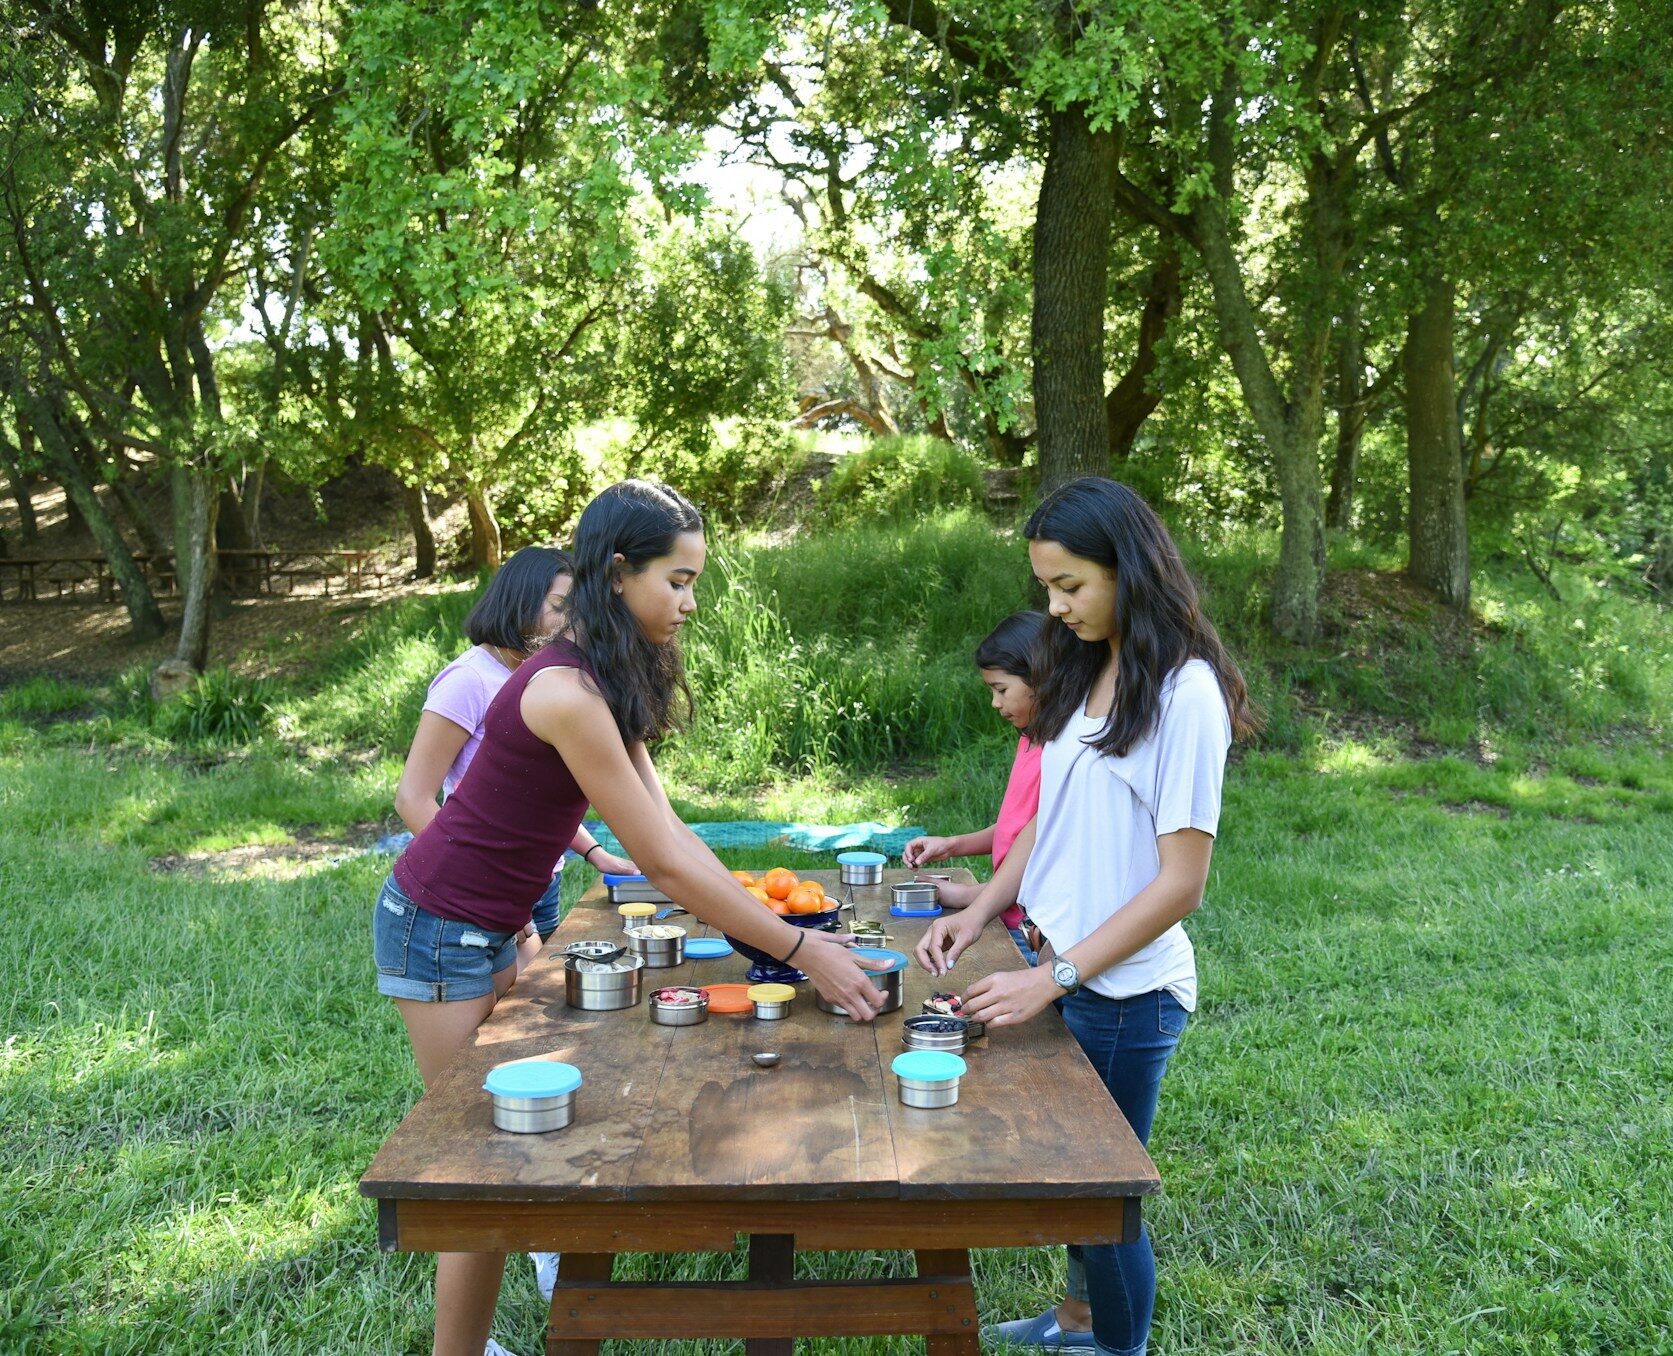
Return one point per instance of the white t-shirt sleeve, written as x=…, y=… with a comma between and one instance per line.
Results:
x=1191, y=745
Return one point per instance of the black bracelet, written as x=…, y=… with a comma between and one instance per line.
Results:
x=800, y=938
x=587, y=855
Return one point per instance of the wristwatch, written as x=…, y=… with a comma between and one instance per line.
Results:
x=1065, y=974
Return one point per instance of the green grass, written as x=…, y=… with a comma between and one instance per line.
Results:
x=1422, y=1107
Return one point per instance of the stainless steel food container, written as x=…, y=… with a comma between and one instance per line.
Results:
x=891, y=984
x=976, y=1029
x=661, y=952
x=680, y=1014
x=928, y=1093
x=634, y=890
x=772, y=1001
x=533, y=1115
x=594, y=950
x=928, y=1078
x=913, y=894
x=918, y=1036
x=603, y=986
x=530, y=1096
x=861, y=868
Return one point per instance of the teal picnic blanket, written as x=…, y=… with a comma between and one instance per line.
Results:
x=739, y=833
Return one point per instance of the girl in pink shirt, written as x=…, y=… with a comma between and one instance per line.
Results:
x=1003, y=660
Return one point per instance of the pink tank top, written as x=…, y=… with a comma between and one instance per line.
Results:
x=487, y=856
x=1020, y=804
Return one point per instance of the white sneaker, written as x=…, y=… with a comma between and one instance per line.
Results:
x=545, y=1272
x=495, y=1349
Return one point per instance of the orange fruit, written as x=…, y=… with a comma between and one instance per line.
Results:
x=778, y=882
x=813, y=885
x=804, y=900
x=743, y=878
x=761, y=895
x=778, y=906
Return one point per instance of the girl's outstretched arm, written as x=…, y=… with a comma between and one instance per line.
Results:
x=435, y=745
x=559, y=709
x=948, y=938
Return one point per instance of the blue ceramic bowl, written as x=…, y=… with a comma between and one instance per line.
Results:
x=769, y=969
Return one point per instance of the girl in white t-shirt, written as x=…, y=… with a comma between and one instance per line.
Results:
x=1136, y=704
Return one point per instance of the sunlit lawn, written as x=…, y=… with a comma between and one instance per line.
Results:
x=1424, y=1106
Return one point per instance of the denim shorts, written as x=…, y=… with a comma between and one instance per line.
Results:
x=545, y=918
x=432, y=959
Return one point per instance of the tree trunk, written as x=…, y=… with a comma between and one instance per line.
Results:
x=145, y=618
x=139, y=517
x=196, y=506
x=254, y=482
x=423, y=535
x=18, y=479
x=485, y=531
x=1132, y=400
x=1071, y=275
x=1437, y=529
x=1350, y=418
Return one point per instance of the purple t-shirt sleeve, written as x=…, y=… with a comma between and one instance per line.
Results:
x=461, y=693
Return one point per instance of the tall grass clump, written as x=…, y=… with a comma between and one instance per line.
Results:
x=849, y=649
x=900, y=478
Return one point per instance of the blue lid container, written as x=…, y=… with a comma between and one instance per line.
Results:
x=532, y=1078
x=707, y=948
x=610, y=879
x=880, y=953
x=928, y=1066
x=861, y=859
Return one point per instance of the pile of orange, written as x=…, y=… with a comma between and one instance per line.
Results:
x=781, y=892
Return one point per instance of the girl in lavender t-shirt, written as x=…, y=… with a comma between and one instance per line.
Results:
x=511, y=619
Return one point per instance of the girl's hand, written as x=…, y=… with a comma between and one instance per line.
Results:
x=840, y=977
x=921, y=851
x=611, y=865
x=1010, y=997
x=944, y=943
x=951, y=895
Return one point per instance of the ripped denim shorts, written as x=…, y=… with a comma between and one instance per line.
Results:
x=432, y=959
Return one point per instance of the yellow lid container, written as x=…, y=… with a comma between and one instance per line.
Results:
x=770, y=993
x=633, y=915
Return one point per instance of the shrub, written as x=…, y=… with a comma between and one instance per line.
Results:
x=897, y=478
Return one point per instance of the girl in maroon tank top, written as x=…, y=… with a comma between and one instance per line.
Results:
x=569, y=728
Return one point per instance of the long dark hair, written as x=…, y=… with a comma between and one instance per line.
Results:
x=506, y=613
x=1158, y=618
x=1010, y=646
x=643, y=683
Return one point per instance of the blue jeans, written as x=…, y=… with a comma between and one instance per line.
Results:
x=1021, y=939
x=1128, y=1041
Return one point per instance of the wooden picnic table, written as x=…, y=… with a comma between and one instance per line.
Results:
x=680, y=1144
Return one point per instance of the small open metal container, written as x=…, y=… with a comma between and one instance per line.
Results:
x=603, y=986
x=976, y=1030
x=914, y=899
x=772, y=1001
x=531, y=1096
x=679, y=1005
x=861, y=868
x=595, y=951
x=661, y=944
x=891, y=983
x=633, y=890
x=636, y=915
x=925, y=1032
x=928, y=1078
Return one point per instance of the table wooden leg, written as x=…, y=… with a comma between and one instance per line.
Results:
x=772, y=1258
x=954, y=1265
x=576, y=1268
